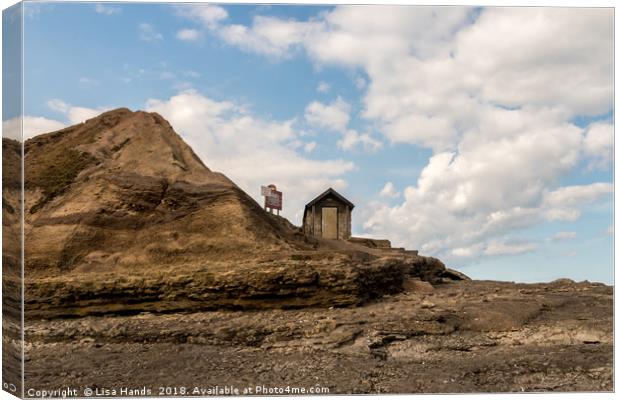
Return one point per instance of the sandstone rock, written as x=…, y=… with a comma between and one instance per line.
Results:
x=428, y=269
x=416, y=285
x=454, y=275
x=427, y=304
x=562, y=282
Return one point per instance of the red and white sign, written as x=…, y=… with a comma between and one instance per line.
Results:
x=273, y=197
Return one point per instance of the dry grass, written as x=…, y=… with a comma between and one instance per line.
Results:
x=54, y=171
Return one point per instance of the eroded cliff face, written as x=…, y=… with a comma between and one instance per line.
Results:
x=121, y=216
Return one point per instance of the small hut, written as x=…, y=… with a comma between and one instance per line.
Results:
x=328, y=216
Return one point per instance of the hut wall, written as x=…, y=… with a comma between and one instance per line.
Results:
x=344, y=218
x=308, y=222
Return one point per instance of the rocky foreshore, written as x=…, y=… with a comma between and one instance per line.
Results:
x=466, y=336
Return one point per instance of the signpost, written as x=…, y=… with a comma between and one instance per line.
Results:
x=273, y=198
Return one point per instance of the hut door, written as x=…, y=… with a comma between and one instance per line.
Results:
x=329, y=222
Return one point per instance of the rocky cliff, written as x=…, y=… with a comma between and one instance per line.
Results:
x=122, y=216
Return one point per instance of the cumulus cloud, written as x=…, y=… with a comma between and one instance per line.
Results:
x=427, y=131
x=250, y=150
x=74, y=114
x=563, y=236
x=273, y=37
x=498, y=248
x=32, y=126
x=599, y=144
x=389, y=191
x=459, y=211
x=495, y=248
x=572, y=196
x=351, y=140
x=208, y=15
x=333, y=116
x=269, y=36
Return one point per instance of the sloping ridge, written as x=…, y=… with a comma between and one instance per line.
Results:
x=124, y=189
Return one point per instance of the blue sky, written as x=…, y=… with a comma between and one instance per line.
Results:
x=493, y=155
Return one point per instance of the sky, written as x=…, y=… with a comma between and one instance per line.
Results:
x=481, y=136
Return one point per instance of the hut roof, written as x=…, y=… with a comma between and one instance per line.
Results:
x=332, y=192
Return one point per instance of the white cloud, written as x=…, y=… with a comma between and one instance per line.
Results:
x=418, y=57
x=494, y=248
x=188, y=35
x=467, y=252
x=32, y=126
x=427, y=131
x=38, y=125
x=58, y=105
x=250, y=150
x=564, y=236
x=584, y=51
x=599, y=144
x=73, y=114
x=269, y=36
x=497, y=248
x=333, y=116
x=106, y=9
x=323, y=87
x=564, y=204
x=389, y=191
x=207, y=14
x=455, y=214
x=148, y=33
x=351, y=140
x=571, y=196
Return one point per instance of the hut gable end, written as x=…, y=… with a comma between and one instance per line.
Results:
x=328, y=216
